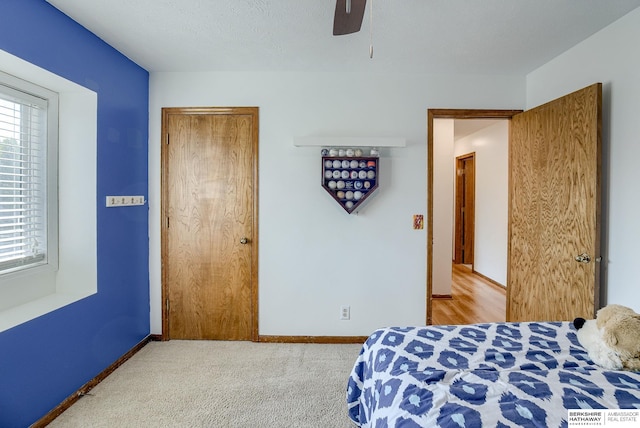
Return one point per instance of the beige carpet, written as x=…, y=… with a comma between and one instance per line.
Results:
x=222, y=384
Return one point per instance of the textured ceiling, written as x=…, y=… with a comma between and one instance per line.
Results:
x=414, y=36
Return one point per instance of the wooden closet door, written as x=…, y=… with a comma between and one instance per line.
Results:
x=210, y=225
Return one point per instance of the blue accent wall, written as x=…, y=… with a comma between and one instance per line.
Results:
x=45, y=360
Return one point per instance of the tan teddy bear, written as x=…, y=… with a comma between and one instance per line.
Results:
x=613, y=338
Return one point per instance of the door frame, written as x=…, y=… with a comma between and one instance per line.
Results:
x=464, y=234
x=164, y=164
x=447, y=114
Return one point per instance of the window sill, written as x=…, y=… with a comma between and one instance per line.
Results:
x=12, y=317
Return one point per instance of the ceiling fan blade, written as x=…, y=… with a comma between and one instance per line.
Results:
x=347, y=23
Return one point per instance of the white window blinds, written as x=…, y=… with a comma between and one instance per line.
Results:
x=23, y=180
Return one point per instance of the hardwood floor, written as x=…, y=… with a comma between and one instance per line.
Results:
x=474, y=300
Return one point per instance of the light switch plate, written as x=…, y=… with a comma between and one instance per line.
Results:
x=124, y=201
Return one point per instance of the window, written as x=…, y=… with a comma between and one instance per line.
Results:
x=70, y=274
x=28, y=175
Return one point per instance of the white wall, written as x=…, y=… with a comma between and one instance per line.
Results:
x=610, y=57
x=314, y=257
x=443, y=205
x=491, y=147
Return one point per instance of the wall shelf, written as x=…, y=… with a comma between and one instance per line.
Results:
x=349, y=142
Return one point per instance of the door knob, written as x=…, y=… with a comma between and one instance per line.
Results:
x=244, y=240
x=583, y=258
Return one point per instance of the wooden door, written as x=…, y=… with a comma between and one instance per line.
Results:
x=554, y=191
x=209, y=235
x=465, y=209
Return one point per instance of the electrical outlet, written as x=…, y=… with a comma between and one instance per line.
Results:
x=345, y=312
x=124, y=201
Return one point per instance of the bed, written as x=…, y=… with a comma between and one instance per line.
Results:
x=481, y=375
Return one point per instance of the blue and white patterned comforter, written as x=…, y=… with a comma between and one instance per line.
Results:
x=482, y=375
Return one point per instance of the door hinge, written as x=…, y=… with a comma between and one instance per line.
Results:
x=167, y=139
x=167, y=222
x=167, y=305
